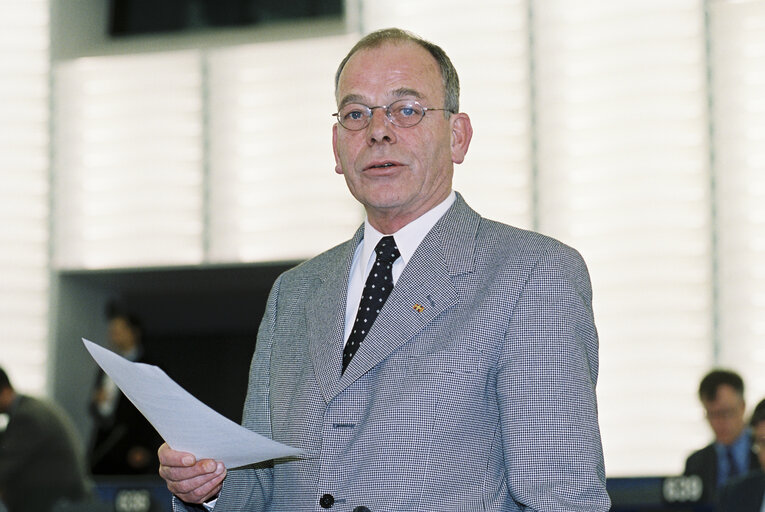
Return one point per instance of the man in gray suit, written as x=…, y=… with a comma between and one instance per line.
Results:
x=474, y=388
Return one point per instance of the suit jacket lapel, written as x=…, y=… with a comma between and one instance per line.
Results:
x=424, y=290
x=325, y=311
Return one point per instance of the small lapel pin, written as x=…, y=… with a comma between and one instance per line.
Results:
x=418, y=308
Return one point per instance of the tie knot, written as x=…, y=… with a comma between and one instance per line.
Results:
x=386, y=250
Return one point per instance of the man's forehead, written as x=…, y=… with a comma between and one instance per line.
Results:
x=367, y=72
x=724, y=397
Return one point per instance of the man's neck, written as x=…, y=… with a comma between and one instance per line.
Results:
x=742, y=433
x=389, y=221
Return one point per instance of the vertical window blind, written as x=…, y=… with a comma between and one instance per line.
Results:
x=738, y=125
x=624, y=177
x=24, y=197
x=129, y=161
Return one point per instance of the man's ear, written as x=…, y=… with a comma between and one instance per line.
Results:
x=338, y=167
x=462, y=133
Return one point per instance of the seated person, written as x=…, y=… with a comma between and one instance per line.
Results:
x=747, y=493
x=722, y=394
x=40, y=457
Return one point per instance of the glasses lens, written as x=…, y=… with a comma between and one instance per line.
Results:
x=406, y=113
x=354, y=116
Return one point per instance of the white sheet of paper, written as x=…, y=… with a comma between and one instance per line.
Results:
x=184, y=422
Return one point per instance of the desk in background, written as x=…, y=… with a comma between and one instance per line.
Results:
x=656, y=494
x=643, y=494
x=132, y=494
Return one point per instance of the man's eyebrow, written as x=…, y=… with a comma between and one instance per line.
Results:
x=350, y=98
x=401, y=92
x=405, y=91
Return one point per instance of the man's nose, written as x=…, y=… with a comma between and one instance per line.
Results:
x=380, y=128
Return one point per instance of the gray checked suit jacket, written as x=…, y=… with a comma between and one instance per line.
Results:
x=473, y=391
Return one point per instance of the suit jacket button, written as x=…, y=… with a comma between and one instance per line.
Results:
x=361, y=508
x=327, y=501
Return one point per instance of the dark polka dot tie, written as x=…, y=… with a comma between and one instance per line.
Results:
x=376, y=290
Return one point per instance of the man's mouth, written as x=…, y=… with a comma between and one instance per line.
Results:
x=382, y=165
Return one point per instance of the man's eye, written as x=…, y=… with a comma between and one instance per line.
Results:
x=354, y=115
x=408, y=110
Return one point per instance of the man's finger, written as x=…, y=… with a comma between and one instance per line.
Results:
x=169, y=457
x=200, y=488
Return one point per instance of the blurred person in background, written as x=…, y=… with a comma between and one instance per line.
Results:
x=40, y=454
x=747, y=493
x=722, y=395
x=123, y=441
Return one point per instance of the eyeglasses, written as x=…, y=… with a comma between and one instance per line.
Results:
x=403, y=113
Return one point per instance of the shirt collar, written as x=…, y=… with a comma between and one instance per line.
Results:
x=410, y=236
x=740, y=446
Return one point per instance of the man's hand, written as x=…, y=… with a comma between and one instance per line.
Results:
x=191, y=480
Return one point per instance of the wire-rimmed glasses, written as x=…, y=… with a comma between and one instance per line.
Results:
x=403, y=113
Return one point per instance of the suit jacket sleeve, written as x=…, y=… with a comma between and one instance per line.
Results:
x=546, y=386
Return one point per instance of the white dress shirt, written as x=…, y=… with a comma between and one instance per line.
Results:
x=407, y=240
